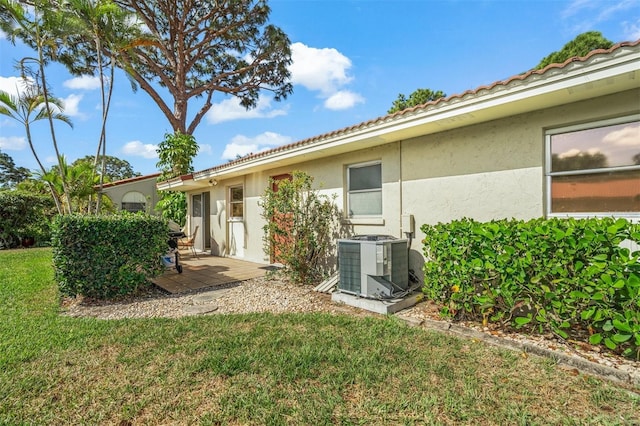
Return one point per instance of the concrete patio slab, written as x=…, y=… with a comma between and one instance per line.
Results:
x=209, y=271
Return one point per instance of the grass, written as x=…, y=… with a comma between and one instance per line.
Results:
x=267, y=369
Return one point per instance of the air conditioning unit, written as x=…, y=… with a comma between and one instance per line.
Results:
x=373, y=266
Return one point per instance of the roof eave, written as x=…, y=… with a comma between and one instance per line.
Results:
x=180, y=183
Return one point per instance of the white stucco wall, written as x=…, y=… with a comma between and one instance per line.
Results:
x=488, y=171
x=146, y=187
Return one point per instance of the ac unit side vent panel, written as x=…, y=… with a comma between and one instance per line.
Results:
x=400, y=264
x=349, y=265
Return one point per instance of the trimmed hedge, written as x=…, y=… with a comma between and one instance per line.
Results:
x=570, y=277
x=107, y=256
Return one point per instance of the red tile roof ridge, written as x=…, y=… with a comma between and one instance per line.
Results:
x=406, y=111
x=128, y=180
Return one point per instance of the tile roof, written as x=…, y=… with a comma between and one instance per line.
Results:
x=128, y=180
x=424, y=107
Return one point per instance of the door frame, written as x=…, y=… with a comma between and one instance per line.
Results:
x=233, y=221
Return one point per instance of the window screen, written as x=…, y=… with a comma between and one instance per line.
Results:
x=364, y=190
x=595, y=170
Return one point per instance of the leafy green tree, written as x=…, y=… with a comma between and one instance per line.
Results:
x=175, y=154
x=27, y=107
x=34, y=185
x=115, y=168
x=302, y=225
x=418, y=97
x=580, y=46
x=10, y=175
x=199, y=48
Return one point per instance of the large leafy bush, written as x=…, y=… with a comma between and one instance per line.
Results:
x=565, y=276
x=107, y=256
x=23, y=214
x=302, y=225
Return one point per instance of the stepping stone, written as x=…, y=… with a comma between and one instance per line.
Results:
x=204, y=298
x=199, y=309
x=209, y=296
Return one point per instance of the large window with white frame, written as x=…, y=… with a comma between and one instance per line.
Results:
x=364, y=189
x=594, y=169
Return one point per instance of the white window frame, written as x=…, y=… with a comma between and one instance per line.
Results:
x=137, y=195
x=231, y=203
x=634, y=216
x=349, y=192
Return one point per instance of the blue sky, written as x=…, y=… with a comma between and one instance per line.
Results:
x=351, y=60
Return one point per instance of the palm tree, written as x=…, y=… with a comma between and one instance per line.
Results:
x=27, y=107
x=80, y=181
x=92, y=34
x=28, y=24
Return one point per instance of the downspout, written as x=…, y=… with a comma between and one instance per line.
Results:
x=408, y=234
x=401, y=186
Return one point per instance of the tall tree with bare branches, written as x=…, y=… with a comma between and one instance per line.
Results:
x=199, y=47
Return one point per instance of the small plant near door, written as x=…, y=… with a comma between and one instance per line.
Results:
x=175, y=155
x=301, y=227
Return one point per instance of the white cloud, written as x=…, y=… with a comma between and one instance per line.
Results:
x=610, y=8
x=138, y=149
x=594, y=151
x=627, y=136
x=71, y=104
x=325, y=71
x=631, y=30
x=575, y=7
x=13, y=143
x=15, y=85
x=205, y=148
x=52, y=159
x=585, y=15
x=319, y=70
x=343, y=99
x=571, y=153
x=12, y=85
x=230, y=109
x=575, y=152
x=84, y=82
x=242, y=145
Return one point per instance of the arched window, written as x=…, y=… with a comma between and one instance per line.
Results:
x=134, y=201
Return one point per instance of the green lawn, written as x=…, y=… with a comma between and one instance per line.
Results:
x=267, y=369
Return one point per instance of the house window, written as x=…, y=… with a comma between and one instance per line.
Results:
x=364, y=189
x=236, y=202
x=594, y=170
x=196, y=205
x=133, y=202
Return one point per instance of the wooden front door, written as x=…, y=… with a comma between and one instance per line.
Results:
x=283, y=219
